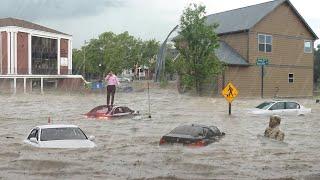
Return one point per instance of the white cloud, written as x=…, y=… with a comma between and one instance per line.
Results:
x=146, y=19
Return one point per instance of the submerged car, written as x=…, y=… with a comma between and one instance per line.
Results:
x=124, y=80
x=105, y=111
x=192, y=135
x=280, y=108
x=59, y=136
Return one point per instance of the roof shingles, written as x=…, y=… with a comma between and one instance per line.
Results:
x=25, y=24
x=243, y=18
x=228, y=55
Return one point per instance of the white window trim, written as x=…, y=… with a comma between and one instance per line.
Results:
x=265, y=44
x=304, y=46
x=290, y=78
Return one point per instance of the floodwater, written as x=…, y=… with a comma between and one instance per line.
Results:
x=128, y=148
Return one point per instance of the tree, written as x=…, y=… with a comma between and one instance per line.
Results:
x=196, y=43
x=113, y=52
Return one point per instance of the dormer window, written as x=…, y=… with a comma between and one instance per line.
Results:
x=265, y=43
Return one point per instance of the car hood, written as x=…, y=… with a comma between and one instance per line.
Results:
x=67, y=144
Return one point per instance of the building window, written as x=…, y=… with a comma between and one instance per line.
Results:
x=307, y=46
x=290, y=78
x=265, y=43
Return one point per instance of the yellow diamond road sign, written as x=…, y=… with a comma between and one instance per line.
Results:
x=230, y=92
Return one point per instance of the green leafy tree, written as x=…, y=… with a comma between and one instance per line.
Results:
x=113, y=52
x=196, y=43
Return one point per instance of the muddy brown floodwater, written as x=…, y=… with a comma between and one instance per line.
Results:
x=128, y=148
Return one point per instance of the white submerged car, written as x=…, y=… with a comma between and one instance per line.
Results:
x=280, y=108
x=59, y=136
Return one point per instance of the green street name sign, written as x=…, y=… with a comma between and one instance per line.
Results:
x=262, y=61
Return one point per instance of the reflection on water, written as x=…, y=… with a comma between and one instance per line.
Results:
x=128, y=148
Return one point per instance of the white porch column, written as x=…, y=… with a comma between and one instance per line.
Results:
x=9, y=52
x=1, y=53
x=14, y=85
x=15, y=52
x=12, y=53
x=41, y=85
x=58, y=57
x=69, y=56
x=25, y=85
x=29, y=54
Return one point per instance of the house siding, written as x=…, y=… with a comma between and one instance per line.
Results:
x=4, y=53
x=22, y=53
x=239, y=42
x=246, y=80
x=64, y=54
x=287, y=56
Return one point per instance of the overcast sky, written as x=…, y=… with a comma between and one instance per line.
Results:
x=146, y=19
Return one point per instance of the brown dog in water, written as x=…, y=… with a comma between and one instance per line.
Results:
x=273, y=131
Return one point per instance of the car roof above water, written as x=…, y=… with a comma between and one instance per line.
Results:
x=57, y=126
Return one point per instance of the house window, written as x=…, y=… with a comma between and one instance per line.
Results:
x=307, y=46
x=290, y=78
x=265, y=43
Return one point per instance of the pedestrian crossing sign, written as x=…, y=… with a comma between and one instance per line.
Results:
x=230, y=92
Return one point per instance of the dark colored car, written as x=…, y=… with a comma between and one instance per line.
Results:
x=104, y=111
x=193, y=135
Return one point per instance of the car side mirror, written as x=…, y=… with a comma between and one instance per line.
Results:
x=33, y=140
x=91, y=138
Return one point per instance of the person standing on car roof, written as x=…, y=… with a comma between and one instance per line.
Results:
x=112, y=82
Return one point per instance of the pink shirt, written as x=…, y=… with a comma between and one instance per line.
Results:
x=112, y=80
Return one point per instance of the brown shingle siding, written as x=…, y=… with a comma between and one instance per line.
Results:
x=284, y=21
x=238, y=41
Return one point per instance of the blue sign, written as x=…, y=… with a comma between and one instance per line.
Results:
x=262, y=61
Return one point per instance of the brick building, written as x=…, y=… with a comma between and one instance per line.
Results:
x=30, y=53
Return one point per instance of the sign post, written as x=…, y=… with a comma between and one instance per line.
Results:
x=230, y=92
x=262, y=62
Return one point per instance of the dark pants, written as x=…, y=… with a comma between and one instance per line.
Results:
x=111, y=90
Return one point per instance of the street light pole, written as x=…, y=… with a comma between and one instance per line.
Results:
x=160, y=66
x=84, y=59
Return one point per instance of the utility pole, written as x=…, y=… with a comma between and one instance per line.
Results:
x=84, y=59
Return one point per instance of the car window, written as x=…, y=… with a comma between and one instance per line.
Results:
x=50, y=134
x=209, y=133
x=292, y=105
x=215, y=131
x=126, y=109
x=118, y=110
x=264, y=105
x=278, y=106
x=33, y=134
x=188, y=130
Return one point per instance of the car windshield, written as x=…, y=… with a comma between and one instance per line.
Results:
x=188, y=130
x=50, y=134
x=264, y=105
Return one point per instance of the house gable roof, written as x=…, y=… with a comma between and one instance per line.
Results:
x=245, y=18
x=26, y=24
x=228, y=55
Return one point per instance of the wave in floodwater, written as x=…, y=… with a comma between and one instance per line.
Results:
x=127, y=148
